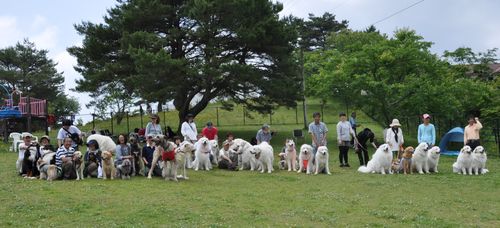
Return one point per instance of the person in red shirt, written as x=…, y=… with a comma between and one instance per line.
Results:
x=210, y=131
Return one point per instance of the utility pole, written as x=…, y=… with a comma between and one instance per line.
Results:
x=304, y=107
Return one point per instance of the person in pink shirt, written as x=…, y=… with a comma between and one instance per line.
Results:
x=210, y=131
x=471, y=133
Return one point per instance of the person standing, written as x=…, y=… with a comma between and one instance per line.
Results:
x=188, y=129
x=318, y=131
x=471, y=133
x=344, y=133
x=354, y=125
x=394, y=137
x=264, y=135
x=154, y=127
x=426, y=131
x=210, y=132
x=71, y=131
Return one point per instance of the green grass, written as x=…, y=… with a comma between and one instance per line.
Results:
x=248, y=199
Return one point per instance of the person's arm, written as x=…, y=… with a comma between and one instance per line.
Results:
x=338, y=133
x=388, y=136
x=258, y=137
x=118, y=154
x=478, y=124
x=402, y=141
x=433, y=135
x=216, y=136
x=60, y=138
x=419, y=134
x=465, y=135
x=148, y=129
x=323, y=140
x=184, y=129
x=77, y=130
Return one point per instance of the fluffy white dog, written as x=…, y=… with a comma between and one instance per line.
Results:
x=420, y=157
x=182, y=153
x=215, y=151
x=479, y=161
x=245, y=158
x=433, y=159
x=305, y=158
x=381, y=161
x=106, y=143
x=321, y=161
x=291, y=155
x=464, y=161
x=202, y=154
x=264, y=156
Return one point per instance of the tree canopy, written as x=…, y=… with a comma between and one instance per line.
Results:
x=191, y=52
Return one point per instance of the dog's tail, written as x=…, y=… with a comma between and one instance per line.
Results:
x=363, y=169
x=455, y=168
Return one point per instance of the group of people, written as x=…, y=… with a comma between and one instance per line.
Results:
x=69, y=138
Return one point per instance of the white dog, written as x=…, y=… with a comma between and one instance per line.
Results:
x=321, y=161
x=245, y=158
x=79, y=164
x=463, y=165
x=215, y=151
x=291, y=155
x=433, y=159
x=479, y=161
x=202, y=154
x=419, y=160
x=264, y=155
x=182, y=153
x=305, y=158
x=381, y=161
x=106, y=143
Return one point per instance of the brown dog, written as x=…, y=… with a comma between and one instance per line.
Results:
x=407, y=155
x=108, y=166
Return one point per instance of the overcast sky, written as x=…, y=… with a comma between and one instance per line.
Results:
x=449, y=24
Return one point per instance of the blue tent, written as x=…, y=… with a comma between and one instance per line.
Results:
x=454, y=135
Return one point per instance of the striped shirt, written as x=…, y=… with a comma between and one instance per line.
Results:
x=63, y=152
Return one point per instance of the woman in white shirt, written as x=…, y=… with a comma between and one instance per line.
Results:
x=394, y=137
x=188, y=129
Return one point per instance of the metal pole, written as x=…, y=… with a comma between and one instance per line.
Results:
x=296, y=115
x=29, y=112
x=141, y=111
x=217, y=114
x=93, y=121
x=46, y=110
x=304, y=108
x=128, y=124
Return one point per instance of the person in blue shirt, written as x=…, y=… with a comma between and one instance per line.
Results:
x=426, y=131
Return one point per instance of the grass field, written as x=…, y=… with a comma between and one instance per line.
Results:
x=248, y=199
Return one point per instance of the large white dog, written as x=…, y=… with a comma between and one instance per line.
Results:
x=182, y=153
x=264, y=156
x=245, y=158
x=420, y=157
x=433, y=159
x=381, y=161
x=202, y=154
x=321, y=161
x=106, y=143
x=291, y=155
x=479, y=161
x=305, y=158
x=463, y=165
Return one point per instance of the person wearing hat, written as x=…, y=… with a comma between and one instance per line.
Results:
x=30, y=149
x=93, y=159
x=45, y=144
x=394, y=137
x=426, y=131
x=68, y=130
x=188, y=129
x=227, y=159
x=264, y=135
x=154, y=127
x=344, y=134
x=210, y=131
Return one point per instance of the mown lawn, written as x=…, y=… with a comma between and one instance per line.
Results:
x=248, y=199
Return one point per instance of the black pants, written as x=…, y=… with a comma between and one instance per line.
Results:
x=343, y=154
x=473, y=143
x=363, y=156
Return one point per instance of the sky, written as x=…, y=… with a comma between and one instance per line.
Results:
x=449, y=24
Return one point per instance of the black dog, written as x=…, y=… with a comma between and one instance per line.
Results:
x=29, y=163
x=138, y=164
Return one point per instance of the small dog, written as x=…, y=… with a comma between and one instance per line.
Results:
x=49, y=173
x=479, y=160
x=78, y=161
x=282, y=163
x=407, y=155
x=108, y=167
x=215, y=152
x=395, y=166
x=125, y=169
x=322, y=160
x=305, y=158
x=291, y=155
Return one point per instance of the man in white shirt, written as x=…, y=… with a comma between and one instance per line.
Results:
x=188, y=129
x=69, y=131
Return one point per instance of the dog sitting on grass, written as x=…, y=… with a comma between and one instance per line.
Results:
x=79, y=165
x=108, y=166
x=406, y=160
